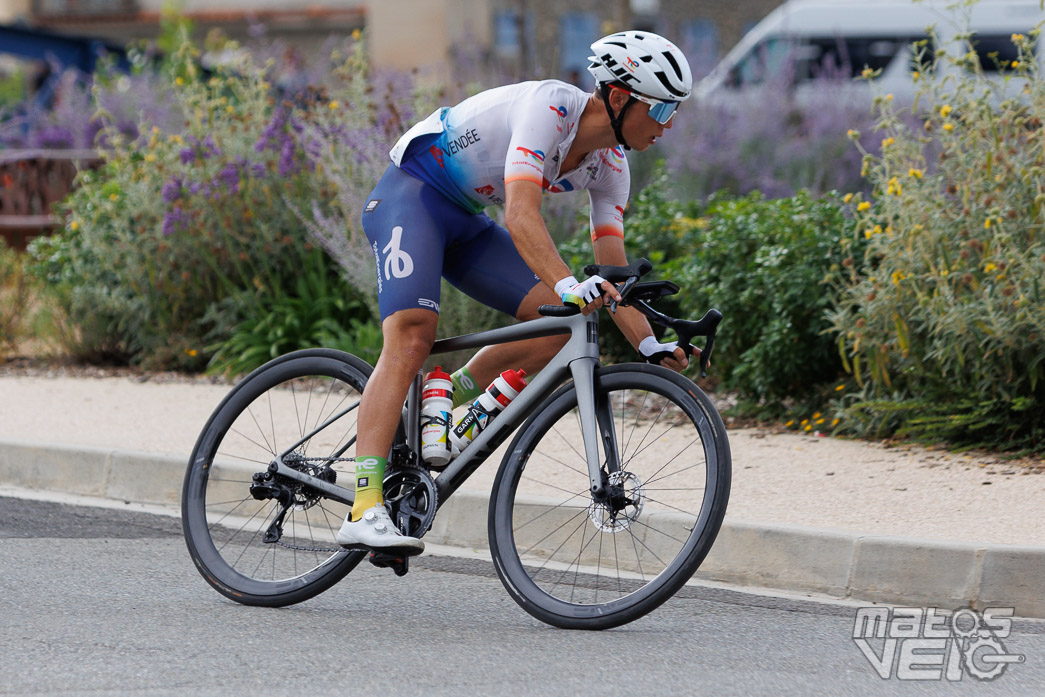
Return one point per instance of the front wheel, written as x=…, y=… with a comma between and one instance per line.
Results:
x=583, y=561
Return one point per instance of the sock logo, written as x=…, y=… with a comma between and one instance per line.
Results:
x=363, y=482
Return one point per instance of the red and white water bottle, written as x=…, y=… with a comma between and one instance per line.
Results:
x=437, y=407
x=497, y=396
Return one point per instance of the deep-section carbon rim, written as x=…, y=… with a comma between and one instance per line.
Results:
x=303, y=406
x=575, y=562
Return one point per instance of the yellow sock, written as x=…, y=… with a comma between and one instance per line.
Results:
x=370, y=475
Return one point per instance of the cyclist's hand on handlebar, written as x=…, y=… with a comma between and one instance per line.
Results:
x=668, y=355
x=588, y=295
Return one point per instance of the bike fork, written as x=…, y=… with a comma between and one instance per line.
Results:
x=596, y=424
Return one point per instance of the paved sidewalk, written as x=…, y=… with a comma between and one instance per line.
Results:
x=818, y=515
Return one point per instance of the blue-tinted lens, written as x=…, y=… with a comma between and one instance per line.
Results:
x=662, y=113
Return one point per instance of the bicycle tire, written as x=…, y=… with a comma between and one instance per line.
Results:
x=263, y=414
x=534, y=520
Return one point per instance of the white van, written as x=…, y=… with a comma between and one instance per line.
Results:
x=805, y=39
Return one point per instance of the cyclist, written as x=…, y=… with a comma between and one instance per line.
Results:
x=425, y=219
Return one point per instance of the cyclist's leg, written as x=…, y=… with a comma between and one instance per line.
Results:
x=490, y=269
x=408, y=247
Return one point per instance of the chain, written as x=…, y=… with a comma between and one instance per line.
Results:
x=301, y=548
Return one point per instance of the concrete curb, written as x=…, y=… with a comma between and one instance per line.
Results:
x=900, y=570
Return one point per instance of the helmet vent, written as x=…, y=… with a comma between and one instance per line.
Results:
x=668, y=86
x=674, y=64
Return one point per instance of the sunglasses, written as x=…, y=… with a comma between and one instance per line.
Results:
x=659, y=111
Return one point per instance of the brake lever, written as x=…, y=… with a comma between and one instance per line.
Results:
x=622, y=289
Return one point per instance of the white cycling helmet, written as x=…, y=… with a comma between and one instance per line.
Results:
x=644, y=63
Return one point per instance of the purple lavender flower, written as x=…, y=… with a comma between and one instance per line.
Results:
x=172, y=189
x=229, y=175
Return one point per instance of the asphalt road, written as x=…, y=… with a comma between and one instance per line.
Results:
x=101, y=602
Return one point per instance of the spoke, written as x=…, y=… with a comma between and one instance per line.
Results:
x=268, y=447
x=584, y=517
x=247, y=438
x=647, y=526
x=550, y=510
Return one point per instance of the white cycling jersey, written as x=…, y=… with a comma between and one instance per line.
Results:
x=522, y=131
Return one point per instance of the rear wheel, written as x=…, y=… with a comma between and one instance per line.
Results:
x=577, y=560
x=270, y=541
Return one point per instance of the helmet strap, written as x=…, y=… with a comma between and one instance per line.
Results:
x=616, y=121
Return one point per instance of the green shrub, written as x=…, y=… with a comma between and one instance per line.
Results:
x=14, y=296
x=180, y=239
x=761, y=262
x=943, y=324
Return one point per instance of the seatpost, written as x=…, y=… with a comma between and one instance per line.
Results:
x=413, y=414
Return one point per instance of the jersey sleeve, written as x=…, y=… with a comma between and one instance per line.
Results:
x=609, y=197
x=536, y=123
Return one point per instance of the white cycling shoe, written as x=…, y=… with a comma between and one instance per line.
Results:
x=376, y=531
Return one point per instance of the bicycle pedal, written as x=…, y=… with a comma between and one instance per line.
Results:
x=399, y=564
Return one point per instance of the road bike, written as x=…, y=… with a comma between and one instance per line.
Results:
x=607, y=500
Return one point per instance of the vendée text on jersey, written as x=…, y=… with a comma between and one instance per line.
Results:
x=469, y=137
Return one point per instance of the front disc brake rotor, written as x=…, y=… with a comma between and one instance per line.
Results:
x=623, y=505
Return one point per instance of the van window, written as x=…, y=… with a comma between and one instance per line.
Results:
x=811, y=57
x=995, y=51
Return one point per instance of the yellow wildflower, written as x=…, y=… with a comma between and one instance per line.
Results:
x=915, y=173
x=1015, y=64
x=866, y=73
x=877, y=230
x=179, y=81
x=888, y=97
x=809, y=427
x=817, y=415
x=819, y=421
x=835, y=422
x=945, y=110
x=334, y=105
x=886, y=142
x=1016, y=38
x=839, y=388
x=192, y=352
x=897, y=277
x=990, y=267
x=868, y=233
x=803, y=422
x=948, y=127
x=74, y=226
x=356, y=35
x=863, y=206
x=113, y=197
x=151, y=157
x=230, y=109
x=987, y=224
x=789, y=424
x=847, y=198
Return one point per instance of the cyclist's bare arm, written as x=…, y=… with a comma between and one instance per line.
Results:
x=634, y=326
x=522, y=217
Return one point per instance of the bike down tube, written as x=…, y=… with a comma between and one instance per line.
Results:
x=582, y=344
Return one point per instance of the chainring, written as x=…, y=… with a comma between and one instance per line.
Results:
x=412, y=499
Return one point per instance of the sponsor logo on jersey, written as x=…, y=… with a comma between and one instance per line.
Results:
x=437, y=153
x=458, y=144
x=561, y=112
x=535, y=155
x=593, y=171
x=371, y=205
x=558, y=187
x=614, y=160
x=485, y=190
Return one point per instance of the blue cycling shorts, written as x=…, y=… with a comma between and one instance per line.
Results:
x=418, y=235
